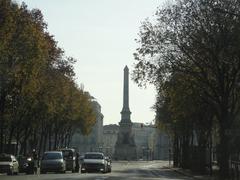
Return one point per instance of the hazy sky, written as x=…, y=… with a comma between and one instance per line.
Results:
x=100, y=35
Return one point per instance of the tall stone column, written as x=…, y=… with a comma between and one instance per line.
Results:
x=125, y=113
x=125, y=148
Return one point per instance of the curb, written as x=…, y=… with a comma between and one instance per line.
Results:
x=187, y=174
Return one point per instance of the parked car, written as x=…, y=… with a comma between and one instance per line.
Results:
x=109, y=164
x=52, y=161
x=94, y=161
x=69, y=156
x=26, y=164
x=8, y=164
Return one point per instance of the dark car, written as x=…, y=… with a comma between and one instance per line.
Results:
x=52, y=161
x=8, y=164
x=26, y=164
x=94, y=161
x=69, y=156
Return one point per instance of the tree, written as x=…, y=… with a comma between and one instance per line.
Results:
x=193, y=38
x=39, y=99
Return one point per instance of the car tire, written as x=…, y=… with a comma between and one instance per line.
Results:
x=83, y=171
x=76, y=170
x=63, y=172
x=16, y=173
x=42, y=172
x=10, y=172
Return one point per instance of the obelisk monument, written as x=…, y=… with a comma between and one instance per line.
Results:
x=125, y=148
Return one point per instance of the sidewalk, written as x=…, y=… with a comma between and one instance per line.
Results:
x=188, y=173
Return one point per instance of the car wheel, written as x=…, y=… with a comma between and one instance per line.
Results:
x=42, y=172
x=16, y=173
x=83, y=171
x=64, y=171
x=76, y=170
x=10, y=172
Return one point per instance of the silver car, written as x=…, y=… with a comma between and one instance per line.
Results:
x=52, y=161
x=94, y=161
x=8, y=164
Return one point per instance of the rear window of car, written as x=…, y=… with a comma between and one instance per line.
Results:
x=5, y=159
x=67, y=153
x=52, y=156
x=93, y=156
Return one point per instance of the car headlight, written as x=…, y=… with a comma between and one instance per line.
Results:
x=61, y=163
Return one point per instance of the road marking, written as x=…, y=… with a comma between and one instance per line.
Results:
x=100, y=178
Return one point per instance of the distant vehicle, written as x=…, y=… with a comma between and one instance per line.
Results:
x=26, y=164
x=94, y=161
x=69, y=156
x=109, y=164
x=8, y=164
x=52, y=161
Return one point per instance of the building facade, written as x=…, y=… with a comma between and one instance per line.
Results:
x=110, y=133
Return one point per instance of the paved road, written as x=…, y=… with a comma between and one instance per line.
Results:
x=143, y=170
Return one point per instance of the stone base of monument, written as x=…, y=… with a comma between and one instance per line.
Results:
x=125, y=152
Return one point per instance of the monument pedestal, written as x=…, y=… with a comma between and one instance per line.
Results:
x=125, y=152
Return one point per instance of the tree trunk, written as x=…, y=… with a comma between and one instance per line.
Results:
x=224, y=154
x=50, y=138
x=176, y=152
x=25, y=141
x=9, y=146
x=17, y=139
x=45, y=142
x=55, y=139
x=185, y=152
x=2, y=122
x=40, y=142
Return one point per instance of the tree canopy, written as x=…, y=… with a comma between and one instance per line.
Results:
x=198, y=40
x=41, y=106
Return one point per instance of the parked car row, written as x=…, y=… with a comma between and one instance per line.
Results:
x=56, y=161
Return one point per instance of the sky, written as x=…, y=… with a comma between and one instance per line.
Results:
x=100, y=35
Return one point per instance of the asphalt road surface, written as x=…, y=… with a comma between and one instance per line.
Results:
x=140, y=170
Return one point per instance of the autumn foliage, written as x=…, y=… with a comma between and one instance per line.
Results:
x=41, y=106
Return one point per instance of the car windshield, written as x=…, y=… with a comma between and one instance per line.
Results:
x=52, y=156
x=5, y=159
x=93, y=156
x=67, y=153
